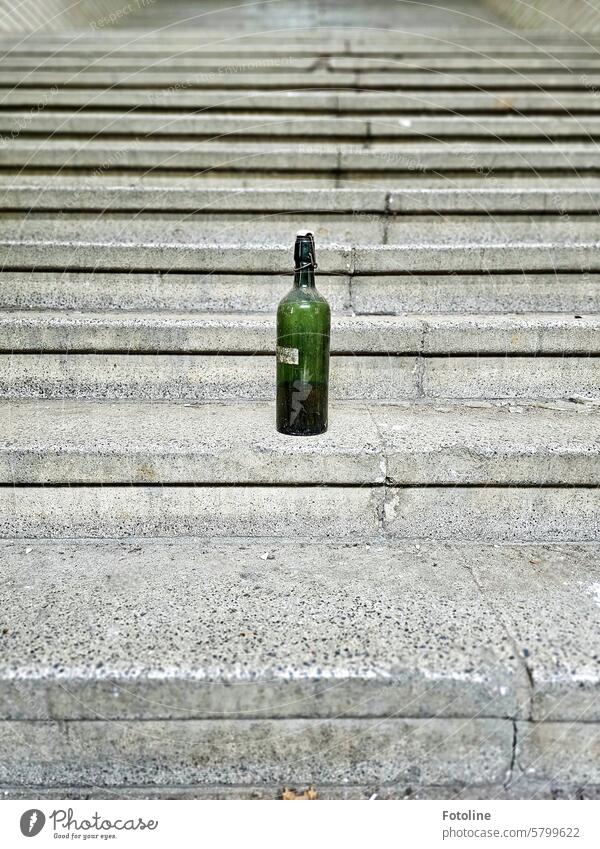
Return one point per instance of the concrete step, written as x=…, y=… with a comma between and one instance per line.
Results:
x=179, y=194
x=104, y=156
x=577, y=293
x=189, y=59
x=269, y=125
x=405, y=444
x=453, y=513
x=278, y=631
x=498, y=102
x=236, y=247
x=161, y=332
x=235, y=76
x=479, y=694
x=231, y=377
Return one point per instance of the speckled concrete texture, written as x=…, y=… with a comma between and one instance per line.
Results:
x=239, y=377
x=297, y=629
x=427, y=443
x=440, y=751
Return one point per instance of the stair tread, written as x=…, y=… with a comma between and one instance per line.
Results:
x=256, y=628
x=423, y=443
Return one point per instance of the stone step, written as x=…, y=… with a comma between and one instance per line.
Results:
x=454, y=293
x=189, y=332
x=103, y=156
x=278, y=631
x=107, y=193
x=286, y=76
x=450, y=513
x=438, y=443
x=187, y=58
x=269, y=125
x=508, y=101
x=231, y=377
x=241, y=246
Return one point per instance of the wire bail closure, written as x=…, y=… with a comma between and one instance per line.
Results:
x=312, y=262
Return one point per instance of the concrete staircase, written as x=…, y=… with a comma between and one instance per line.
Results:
x=196, y=606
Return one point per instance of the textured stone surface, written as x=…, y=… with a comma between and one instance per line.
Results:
x=166, y=443
x=132, y=442
x=453, y=293
x=490, y=513
x=239, y=377
x=560, y=752
x=551, y=609
x=227, y=332
x=213, y=377
x=156, y=511
x=579, y=294
x=275, y=629
x=435, y=751
x=153, y=291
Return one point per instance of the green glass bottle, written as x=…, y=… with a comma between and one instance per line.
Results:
x=303, y=327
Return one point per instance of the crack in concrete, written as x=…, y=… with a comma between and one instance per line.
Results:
x=501, y=622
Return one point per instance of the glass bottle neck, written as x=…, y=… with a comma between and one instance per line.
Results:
x=304, y=279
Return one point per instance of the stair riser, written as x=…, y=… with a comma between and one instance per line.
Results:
x=247, y=377
x=578, y=294
x=445, y=513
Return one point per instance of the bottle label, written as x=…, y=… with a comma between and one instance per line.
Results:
x=291, y=356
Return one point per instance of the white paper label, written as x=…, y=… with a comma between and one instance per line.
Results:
x=291, y=356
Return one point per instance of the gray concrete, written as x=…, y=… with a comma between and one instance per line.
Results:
x=489, y=513
x=156, y=511
x=203, y=377
x=504, y=102
x=560, y=752
x=154, y=291
x=195, y=605
x=440, y=751
x=171, y=193
x=238, y=377
x=550, y=607
x=482, y=443
x=418, y=293
x=287, y=76
x=104, y=155
x=165, y=443
x=455, y=293
x=276, y=630
x=242, y=333
x=518, y=789
x=463, y=514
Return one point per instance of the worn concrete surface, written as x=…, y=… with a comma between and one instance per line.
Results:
x=493, y=513
x=403, y=668
x=248, y=377
x=441, y=751
x=205, y=511
x=113, y=331
x=454, y=294
x=479, y=513
x=276, y=630
x=426, y=443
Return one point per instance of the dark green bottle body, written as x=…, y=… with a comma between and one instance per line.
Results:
x=303, y=331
